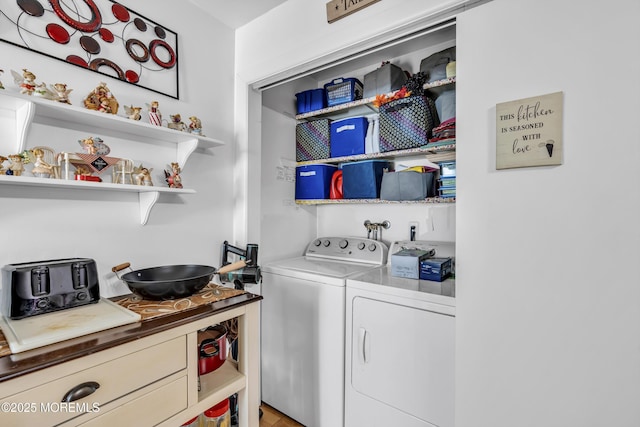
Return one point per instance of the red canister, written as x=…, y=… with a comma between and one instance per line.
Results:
x=212, y=346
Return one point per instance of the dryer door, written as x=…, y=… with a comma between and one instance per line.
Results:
x=404, y=357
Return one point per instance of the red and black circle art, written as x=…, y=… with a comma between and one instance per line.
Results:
x=99, y=35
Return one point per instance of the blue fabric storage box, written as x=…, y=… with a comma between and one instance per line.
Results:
x=348, y=135
x=314, y=181
x=362, y=180
x=310, y=100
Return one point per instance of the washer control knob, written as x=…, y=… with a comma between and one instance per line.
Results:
x=317, y=242
x=361, y=245
x=326, y=243
x=343, y=243
x=372, y=247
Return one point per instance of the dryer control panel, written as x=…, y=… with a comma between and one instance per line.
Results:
x=351, y=249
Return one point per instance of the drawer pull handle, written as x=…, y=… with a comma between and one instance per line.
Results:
x=80, y=391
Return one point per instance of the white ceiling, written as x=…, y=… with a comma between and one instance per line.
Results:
x=236, y=13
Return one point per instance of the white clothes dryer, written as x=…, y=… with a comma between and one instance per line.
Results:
x=303, y=327
x=400, y=348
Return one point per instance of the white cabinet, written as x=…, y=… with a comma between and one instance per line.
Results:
x=151, y=380
x=26, y=111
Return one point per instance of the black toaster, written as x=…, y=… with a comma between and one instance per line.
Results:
x=33, y=288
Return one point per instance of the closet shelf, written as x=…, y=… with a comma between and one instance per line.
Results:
x=430, y=200
x=441, y=153
x=365, y=105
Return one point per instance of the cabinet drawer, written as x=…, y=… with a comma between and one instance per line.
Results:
x=149, y=409
x=115, y=378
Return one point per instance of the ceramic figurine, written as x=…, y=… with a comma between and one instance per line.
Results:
x=42, y=91
x=82, y=170
x=176, y=123
x=2, y=169
x=133, y=113
x=95, y=146
x=61, y=92
x=17, y=165
x=41, y=168
x=195, y=126
x=142, y=175
x=155, y=116
x=173, y=178
x=101, y=99
x=26, y=81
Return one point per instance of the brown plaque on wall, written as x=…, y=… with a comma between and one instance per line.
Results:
x=337, y=9
x=529, y=132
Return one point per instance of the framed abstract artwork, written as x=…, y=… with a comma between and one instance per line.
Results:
x=99, y=35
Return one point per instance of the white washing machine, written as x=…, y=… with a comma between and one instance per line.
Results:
x=400, y=348
x=303, y=327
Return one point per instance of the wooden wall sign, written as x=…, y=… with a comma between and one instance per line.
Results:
x=529, y=132
x=337, y=9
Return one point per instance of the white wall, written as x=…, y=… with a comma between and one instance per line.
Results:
x=548, y=312
x=39, y=225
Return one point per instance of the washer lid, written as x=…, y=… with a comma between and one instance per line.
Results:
x=317, y=266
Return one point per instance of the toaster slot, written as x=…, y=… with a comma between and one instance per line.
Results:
x=40, y=281
x=80, y=276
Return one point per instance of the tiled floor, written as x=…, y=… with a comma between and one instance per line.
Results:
x=273, y=418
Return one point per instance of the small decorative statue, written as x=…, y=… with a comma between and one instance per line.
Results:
x=82, y=170
x=101, y=99
x=155, y=116
x=176, y=123
x=133, y=113
x=42, y=91
x=41, y=168
x=2, y=169
x=26, y=81
x=195, y=126
x=61, y=92
x=173, y=178
x=142, y=175
x=95, y=146
x=17, y=165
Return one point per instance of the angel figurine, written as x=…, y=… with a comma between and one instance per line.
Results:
x=42, y=91
x=176, y=123
x=17, y=165
x=95, y=146
x=26, y=81
x=2, y=160
x=101, y=99
x=61, y=92
x=173, y=178
x=142, y=175
x=41, y=168
x=155, y=116
x=195, y=126
x=133, y=113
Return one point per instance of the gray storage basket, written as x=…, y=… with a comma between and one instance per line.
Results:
x=407, y=185
x=386, y=79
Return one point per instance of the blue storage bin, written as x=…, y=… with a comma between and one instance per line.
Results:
x=362, y=180
x=348, y=135
x=343, y=90
x=310, y=100
x=314, y=181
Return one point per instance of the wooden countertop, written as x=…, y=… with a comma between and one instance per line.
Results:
x=15, y=365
